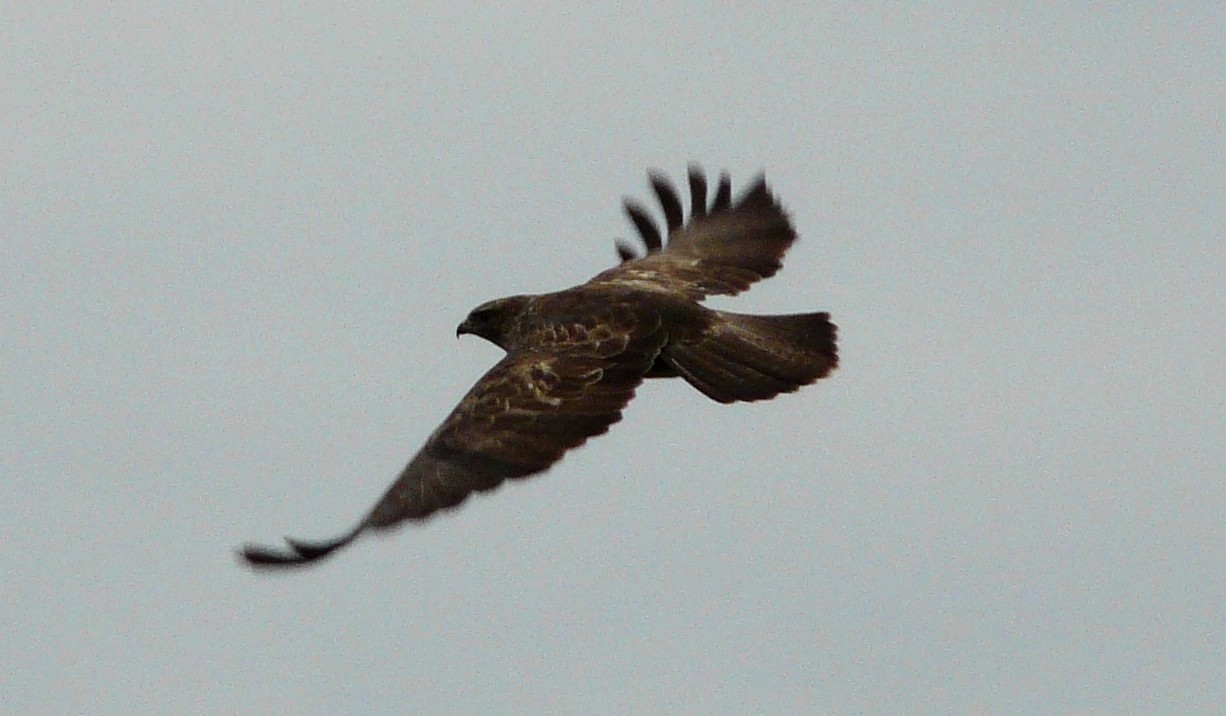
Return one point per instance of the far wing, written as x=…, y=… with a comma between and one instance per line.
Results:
x=722, y=249
x=519, y=419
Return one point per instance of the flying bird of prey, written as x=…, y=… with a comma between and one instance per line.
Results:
x=575, y=357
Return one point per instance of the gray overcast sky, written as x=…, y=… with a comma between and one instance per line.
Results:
x=237, y=242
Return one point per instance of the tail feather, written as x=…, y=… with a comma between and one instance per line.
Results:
x=742, y=357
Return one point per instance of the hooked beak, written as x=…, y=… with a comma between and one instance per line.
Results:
x=463, y=328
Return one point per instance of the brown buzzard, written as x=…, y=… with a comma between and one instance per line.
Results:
x=575, y=357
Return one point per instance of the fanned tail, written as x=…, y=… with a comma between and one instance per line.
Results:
x=744, y=358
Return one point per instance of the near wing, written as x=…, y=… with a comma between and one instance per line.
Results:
x=723, y=248
x=519, y=419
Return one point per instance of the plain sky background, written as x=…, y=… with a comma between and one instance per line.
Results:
x=237, y=242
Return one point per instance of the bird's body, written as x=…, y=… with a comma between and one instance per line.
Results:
x=575, y=357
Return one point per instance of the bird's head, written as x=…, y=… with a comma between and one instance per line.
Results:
x=494, y=320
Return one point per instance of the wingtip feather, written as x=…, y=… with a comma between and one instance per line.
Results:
x=723, y=194
x=644, y=224
x=698, y=191
x=300, y=552
x=674, y=215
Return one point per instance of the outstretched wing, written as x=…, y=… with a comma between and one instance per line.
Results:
x=722, y=249
x=520, y=418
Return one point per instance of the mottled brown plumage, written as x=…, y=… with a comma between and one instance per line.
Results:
x=575, y=357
